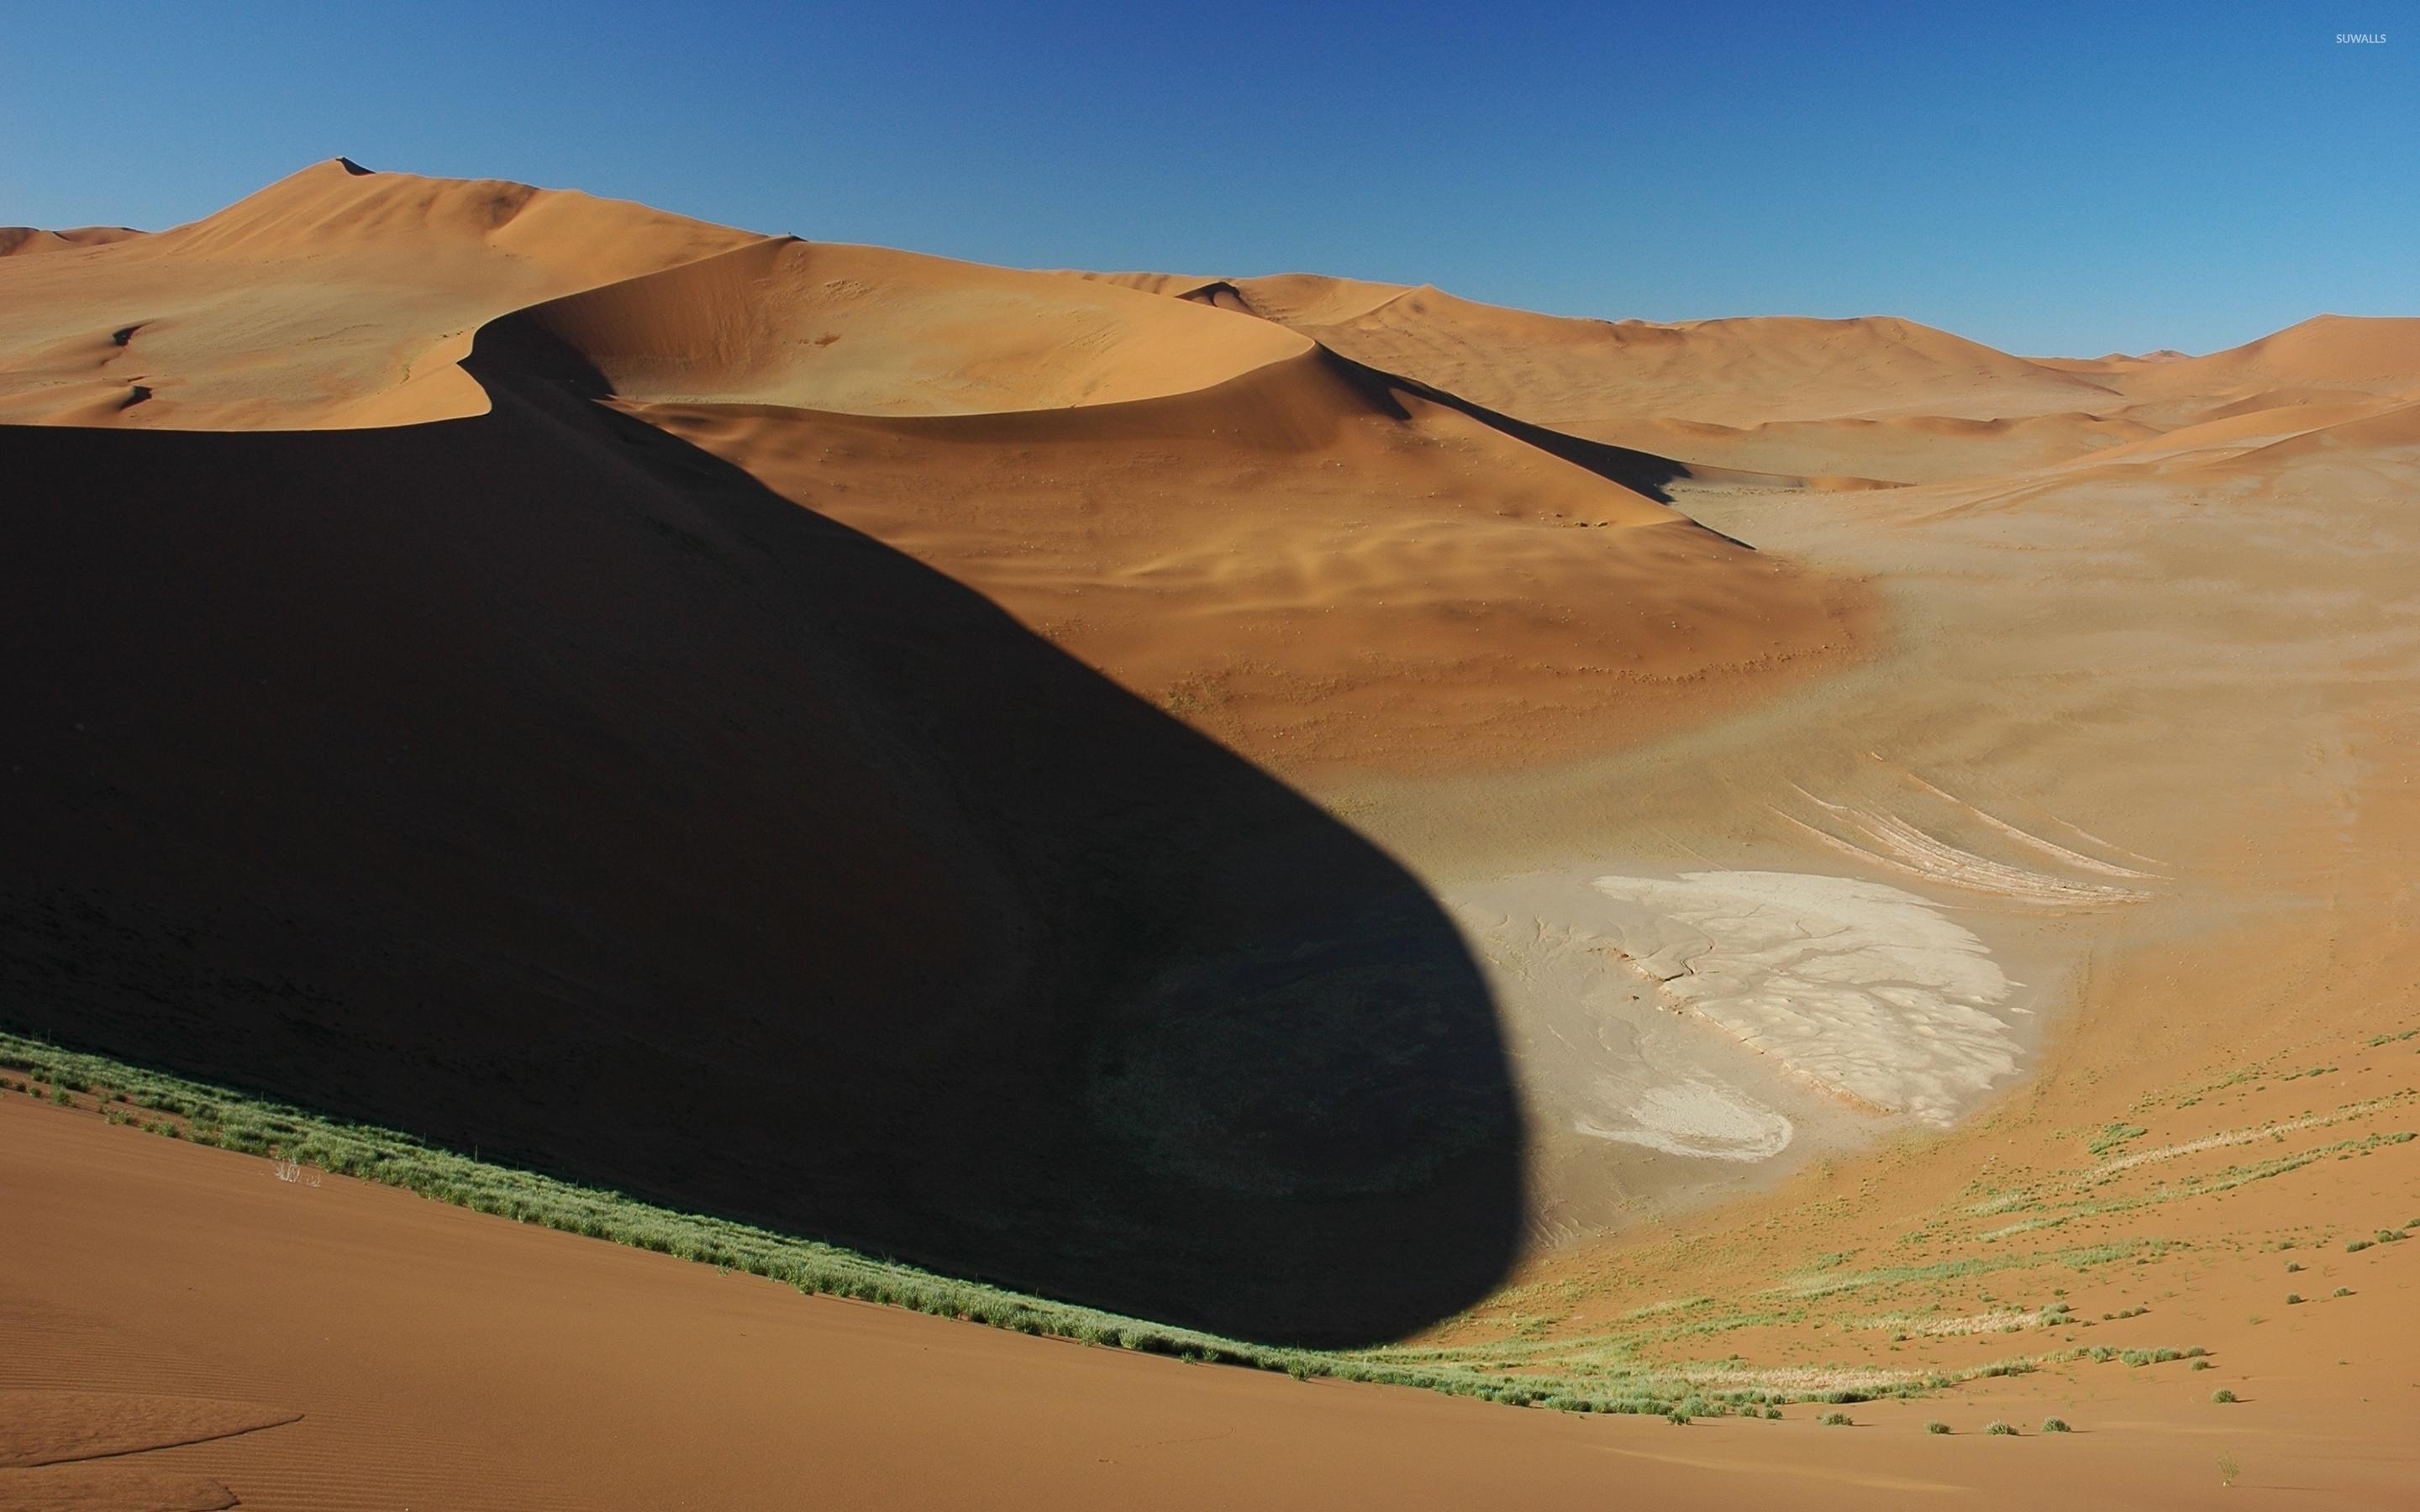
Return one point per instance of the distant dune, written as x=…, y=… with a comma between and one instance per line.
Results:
x=25, y=240
x=334, y=298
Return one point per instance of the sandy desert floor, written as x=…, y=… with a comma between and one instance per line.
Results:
x=1813, y=855
x=185, y=1331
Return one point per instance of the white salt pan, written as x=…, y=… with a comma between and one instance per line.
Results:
x=1862, y=988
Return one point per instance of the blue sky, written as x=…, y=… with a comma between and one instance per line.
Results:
x=2058, y=177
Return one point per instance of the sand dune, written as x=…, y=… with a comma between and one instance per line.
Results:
x=1581, y=374
x=334, y=298
x=1904, y=449
x=2333, y=351
x=1321, y=565
x=25, y=240
x=1323, y=573
x=1317, y=807
x=442, y=1358
x=867, y=330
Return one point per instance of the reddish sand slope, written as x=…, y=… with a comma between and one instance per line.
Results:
x=337, y=297
x=159, y=1293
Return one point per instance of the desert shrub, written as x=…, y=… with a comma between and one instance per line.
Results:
x=1772, y=1414
x=1836, y=1420
x=2341, y=1291
x=2203, y=1365
x=2354, y=1246
x=2292, y=1266
x=1677, y=1417
x=2055, y=1425
x=2222, y=1395
x=1999, y=1430
x=2294, y=1299
x=1936, y=1426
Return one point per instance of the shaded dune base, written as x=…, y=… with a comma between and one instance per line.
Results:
x=544, y=784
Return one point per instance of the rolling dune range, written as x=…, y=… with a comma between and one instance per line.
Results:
x=1813, y=854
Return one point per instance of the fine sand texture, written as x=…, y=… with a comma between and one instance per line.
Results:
x=222, y=1335
x=1801, y=856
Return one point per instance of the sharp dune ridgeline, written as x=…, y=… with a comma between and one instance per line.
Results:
x=1699, y=867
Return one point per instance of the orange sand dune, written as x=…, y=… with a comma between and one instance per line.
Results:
x=1321, y=566
x=867, y=330
x=334, y=298
x=25, y=240
x=1581, y=374
x=357, y=1347
x=2334, y=351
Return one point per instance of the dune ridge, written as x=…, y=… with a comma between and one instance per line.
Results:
x=334, y=298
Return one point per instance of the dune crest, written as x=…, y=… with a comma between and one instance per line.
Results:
x=868, y=331
x=334, y=298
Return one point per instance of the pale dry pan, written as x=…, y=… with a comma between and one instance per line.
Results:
x=1867, y=991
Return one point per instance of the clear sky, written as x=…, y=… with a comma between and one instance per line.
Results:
x=2053, y=177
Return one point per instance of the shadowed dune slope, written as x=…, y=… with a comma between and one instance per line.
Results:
x=536, y=782
x=334, y=298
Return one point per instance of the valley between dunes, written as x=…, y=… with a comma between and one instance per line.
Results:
x=1726, y=864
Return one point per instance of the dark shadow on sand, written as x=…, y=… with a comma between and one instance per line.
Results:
x=540, y=783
